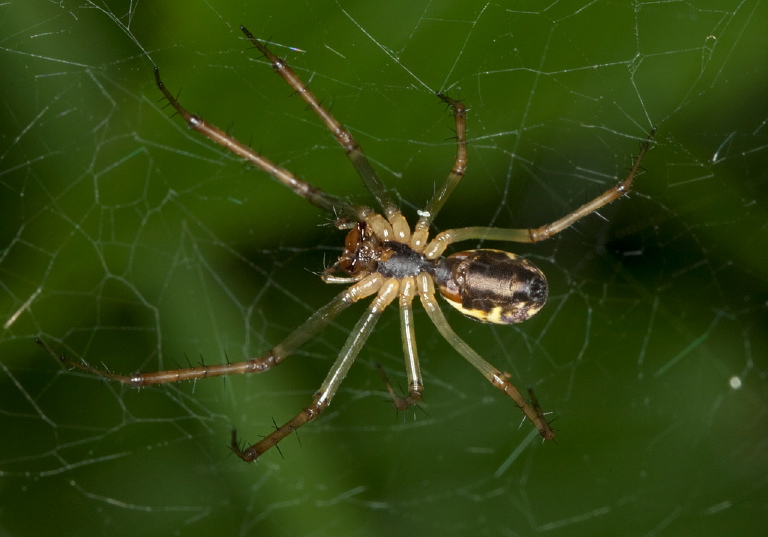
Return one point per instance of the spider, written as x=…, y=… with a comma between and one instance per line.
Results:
x=384, y=258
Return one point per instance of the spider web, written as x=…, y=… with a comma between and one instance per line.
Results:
x=130, y=242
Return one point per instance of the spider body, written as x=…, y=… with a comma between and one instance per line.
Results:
x=487, y=285
x=384, y=258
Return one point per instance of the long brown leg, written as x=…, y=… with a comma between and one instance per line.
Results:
x=342, y=135
x=319, y=320
x=313, y=194
x=437, y=246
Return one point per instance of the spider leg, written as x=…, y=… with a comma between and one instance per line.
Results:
x=408, y=291
x=319, y=320
x=408, y=333
x=342, y=135
x=421, y=230
x=437, y=246
x=313, y=194
x=535, y=403
x=496, y=377
x=322, y=398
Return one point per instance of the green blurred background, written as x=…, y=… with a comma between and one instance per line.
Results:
x=129, y=241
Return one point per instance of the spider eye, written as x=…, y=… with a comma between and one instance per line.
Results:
x=492, y=286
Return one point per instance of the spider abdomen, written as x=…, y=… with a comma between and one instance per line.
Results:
x=492, y=286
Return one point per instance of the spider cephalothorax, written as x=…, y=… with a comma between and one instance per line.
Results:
x=382, y=256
